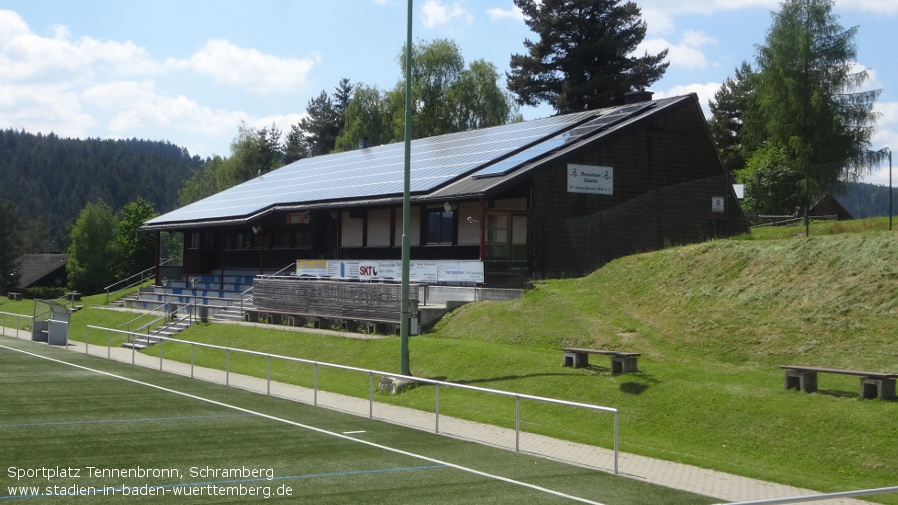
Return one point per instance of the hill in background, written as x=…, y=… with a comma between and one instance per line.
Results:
x=50, y=179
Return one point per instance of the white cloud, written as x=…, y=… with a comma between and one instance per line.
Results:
x=250, y=69
x=436, y=13
x=704, y=91
x=137, y=105
x=686, y=54
x=44, y=108
x=513, y=13
x=874, y=6
x=25, y=56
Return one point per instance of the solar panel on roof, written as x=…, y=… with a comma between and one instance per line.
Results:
x=530, y=154
x=373, y=172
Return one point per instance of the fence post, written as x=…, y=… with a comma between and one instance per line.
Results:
x=315, y=386
x=108, y=345
x=268, y=391
x=370, y=395
x=517, y=423
x=192, y=350
x=615, y=442
x=227, y=367
x=86, y=340
x=161, y=347
x=437, y=410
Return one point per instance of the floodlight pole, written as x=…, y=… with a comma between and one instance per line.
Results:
x=405, y=316
x=890, y=190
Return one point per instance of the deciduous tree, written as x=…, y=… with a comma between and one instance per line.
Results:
x=91, y=256
x=133, y=252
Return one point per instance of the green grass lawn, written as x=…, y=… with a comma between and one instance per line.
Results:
x=713, y=322
x=58, y=417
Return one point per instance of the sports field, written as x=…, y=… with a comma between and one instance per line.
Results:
x=77, y=428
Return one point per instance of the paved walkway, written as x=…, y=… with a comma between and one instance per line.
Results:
x=719, y=485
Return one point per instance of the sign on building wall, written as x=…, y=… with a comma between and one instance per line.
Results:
x=419, y=271
x=718, y=205
x=299, y=218
x=596, y=180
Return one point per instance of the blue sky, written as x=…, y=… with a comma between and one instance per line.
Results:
x=190, y=71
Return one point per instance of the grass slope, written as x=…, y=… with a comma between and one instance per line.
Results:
x=713, y=322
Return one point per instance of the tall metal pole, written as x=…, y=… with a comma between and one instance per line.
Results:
x=890, y=190
x=405, y=316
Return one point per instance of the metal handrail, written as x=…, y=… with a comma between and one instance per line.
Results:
x=127, y=325
x=291, y=265
x=143, y=276
x=517, y=396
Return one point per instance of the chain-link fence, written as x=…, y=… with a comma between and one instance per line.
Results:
x=783, y=196
x=685, y=213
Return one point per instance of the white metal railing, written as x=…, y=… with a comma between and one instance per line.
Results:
x=144, y=315
x=371, y=373
x=143, y=276
x=5, y=317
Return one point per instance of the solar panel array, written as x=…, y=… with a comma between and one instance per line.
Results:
x=560, y=140
x=379, y=171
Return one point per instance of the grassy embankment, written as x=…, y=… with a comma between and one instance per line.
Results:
x=713, y=322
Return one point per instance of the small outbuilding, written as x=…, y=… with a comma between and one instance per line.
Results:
x=42, y=270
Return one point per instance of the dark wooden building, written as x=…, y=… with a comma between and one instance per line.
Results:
x=554, y=197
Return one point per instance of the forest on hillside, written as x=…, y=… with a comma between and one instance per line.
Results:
x=49, y=179
x=865, y=200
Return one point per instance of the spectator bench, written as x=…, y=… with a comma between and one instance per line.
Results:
x=14, y=296
x=873, y=384
x=621, y=362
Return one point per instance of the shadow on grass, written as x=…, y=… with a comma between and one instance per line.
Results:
x=633, y=388
x=848, y=394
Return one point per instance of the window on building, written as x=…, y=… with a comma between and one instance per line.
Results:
x=498, y=236
x=506, y=236
x=439, y=226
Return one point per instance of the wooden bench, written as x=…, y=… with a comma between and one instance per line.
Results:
x=873, y=384
x=14, y=296
x=621, y=362
x=348, y=303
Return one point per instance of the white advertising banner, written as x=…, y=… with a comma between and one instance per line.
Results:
x=371, y=270
x=596, y=180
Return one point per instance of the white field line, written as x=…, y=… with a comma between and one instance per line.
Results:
x=315, y=429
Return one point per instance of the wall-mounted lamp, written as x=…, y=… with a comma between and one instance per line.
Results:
x=449, y=206
x=257, y=228
x=472, y=220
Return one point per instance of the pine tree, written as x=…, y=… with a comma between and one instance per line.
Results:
x=582, y=60
x=321, y=124
x=728, y=117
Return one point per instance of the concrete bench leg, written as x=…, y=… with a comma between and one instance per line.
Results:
x=878, y=388
x=802, y=381
x=623, y=364
x=575, y=359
